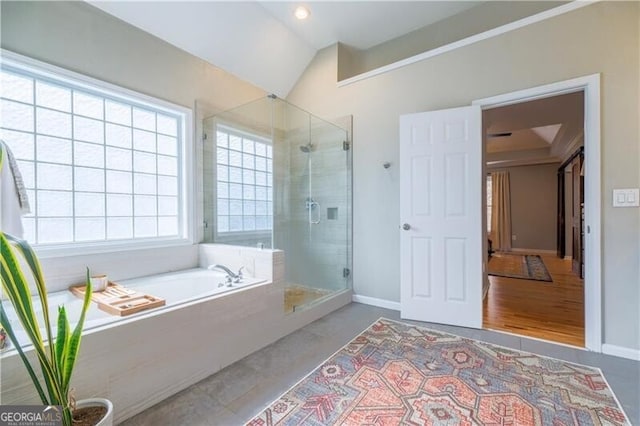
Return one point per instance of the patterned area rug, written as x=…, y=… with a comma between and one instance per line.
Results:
x=400, y=374
x=526, y=267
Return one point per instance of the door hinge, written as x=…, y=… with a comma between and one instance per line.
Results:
x=204, y=136
x=345, y=145
x=346, y=272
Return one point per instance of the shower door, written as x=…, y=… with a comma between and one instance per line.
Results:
x=293, y=194
x=317, y=252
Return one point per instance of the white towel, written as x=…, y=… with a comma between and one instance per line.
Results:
x=23, y=198
x=11, y=210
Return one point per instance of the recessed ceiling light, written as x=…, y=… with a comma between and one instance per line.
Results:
x=301, y=12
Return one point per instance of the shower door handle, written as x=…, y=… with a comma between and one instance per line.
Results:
x=314, y=206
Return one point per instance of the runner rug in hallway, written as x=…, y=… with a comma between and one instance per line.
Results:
x=527, y=267
x=396, y=373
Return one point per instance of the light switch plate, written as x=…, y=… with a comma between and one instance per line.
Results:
x=628, y=197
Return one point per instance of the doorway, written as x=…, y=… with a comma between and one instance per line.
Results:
x=442, y=225
x=587, y=265
x=533, y=290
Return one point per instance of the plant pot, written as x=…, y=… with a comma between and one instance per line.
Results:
x=107, y=420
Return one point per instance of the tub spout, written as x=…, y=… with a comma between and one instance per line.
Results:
x=222, y=268
x=230, y=274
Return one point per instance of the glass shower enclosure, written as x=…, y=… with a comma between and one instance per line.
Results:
x=276, y=176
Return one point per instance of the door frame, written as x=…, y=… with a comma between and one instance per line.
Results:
x=592, y=183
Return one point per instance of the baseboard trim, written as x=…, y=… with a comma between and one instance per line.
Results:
x=621, y=351
x=534, y=251
x=373, y=301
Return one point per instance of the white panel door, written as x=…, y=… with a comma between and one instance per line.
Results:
x=441, y=189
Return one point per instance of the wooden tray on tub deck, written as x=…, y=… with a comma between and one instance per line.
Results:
x=119, y=300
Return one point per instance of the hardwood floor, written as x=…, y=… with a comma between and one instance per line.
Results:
x=550, y=311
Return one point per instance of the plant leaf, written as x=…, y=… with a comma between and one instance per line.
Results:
x=61, y=340
x=16, y=288
x=18, y=292
x=58, y=362
x=4, y=322
x=32, y=260
x=74, y=341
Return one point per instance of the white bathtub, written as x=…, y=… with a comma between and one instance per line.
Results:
x=177, y=288
x=186, y=286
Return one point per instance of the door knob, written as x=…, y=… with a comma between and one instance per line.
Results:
x=406, y=226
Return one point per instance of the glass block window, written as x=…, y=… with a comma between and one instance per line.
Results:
x=98, y=166
x=244, y=179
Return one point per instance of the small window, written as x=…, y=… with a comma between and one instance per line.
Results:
x=244, y=182
x=99, y=165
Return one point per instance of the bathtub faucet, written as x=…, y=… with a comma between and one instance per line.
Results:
x=235, y=277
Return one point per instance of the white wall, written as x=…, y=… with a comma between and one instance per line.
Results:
x=482, y=17
x=600, y=38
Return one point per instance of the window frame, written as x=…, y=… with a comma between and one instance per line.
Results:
x=228, y=237
x=13, y=62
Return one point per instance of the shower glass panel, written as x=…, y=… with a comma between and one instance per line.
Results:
x=238, y=179
x=279, y=177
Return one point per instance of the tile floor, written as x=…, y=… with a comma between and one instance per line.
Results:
x=235, y=394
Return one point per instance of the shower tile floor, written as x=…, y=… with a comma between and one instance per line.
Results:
x=296, y=296
x=235, y=394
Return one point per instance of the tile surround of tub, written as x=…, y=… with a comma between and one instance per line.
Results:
x=62, y=272
x=260, y=263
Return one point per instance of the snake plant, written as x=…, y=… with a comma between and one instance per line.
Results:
x=56, y=357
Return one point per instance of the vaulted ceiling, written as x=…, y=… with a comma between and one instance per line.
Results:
x=263, y=43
